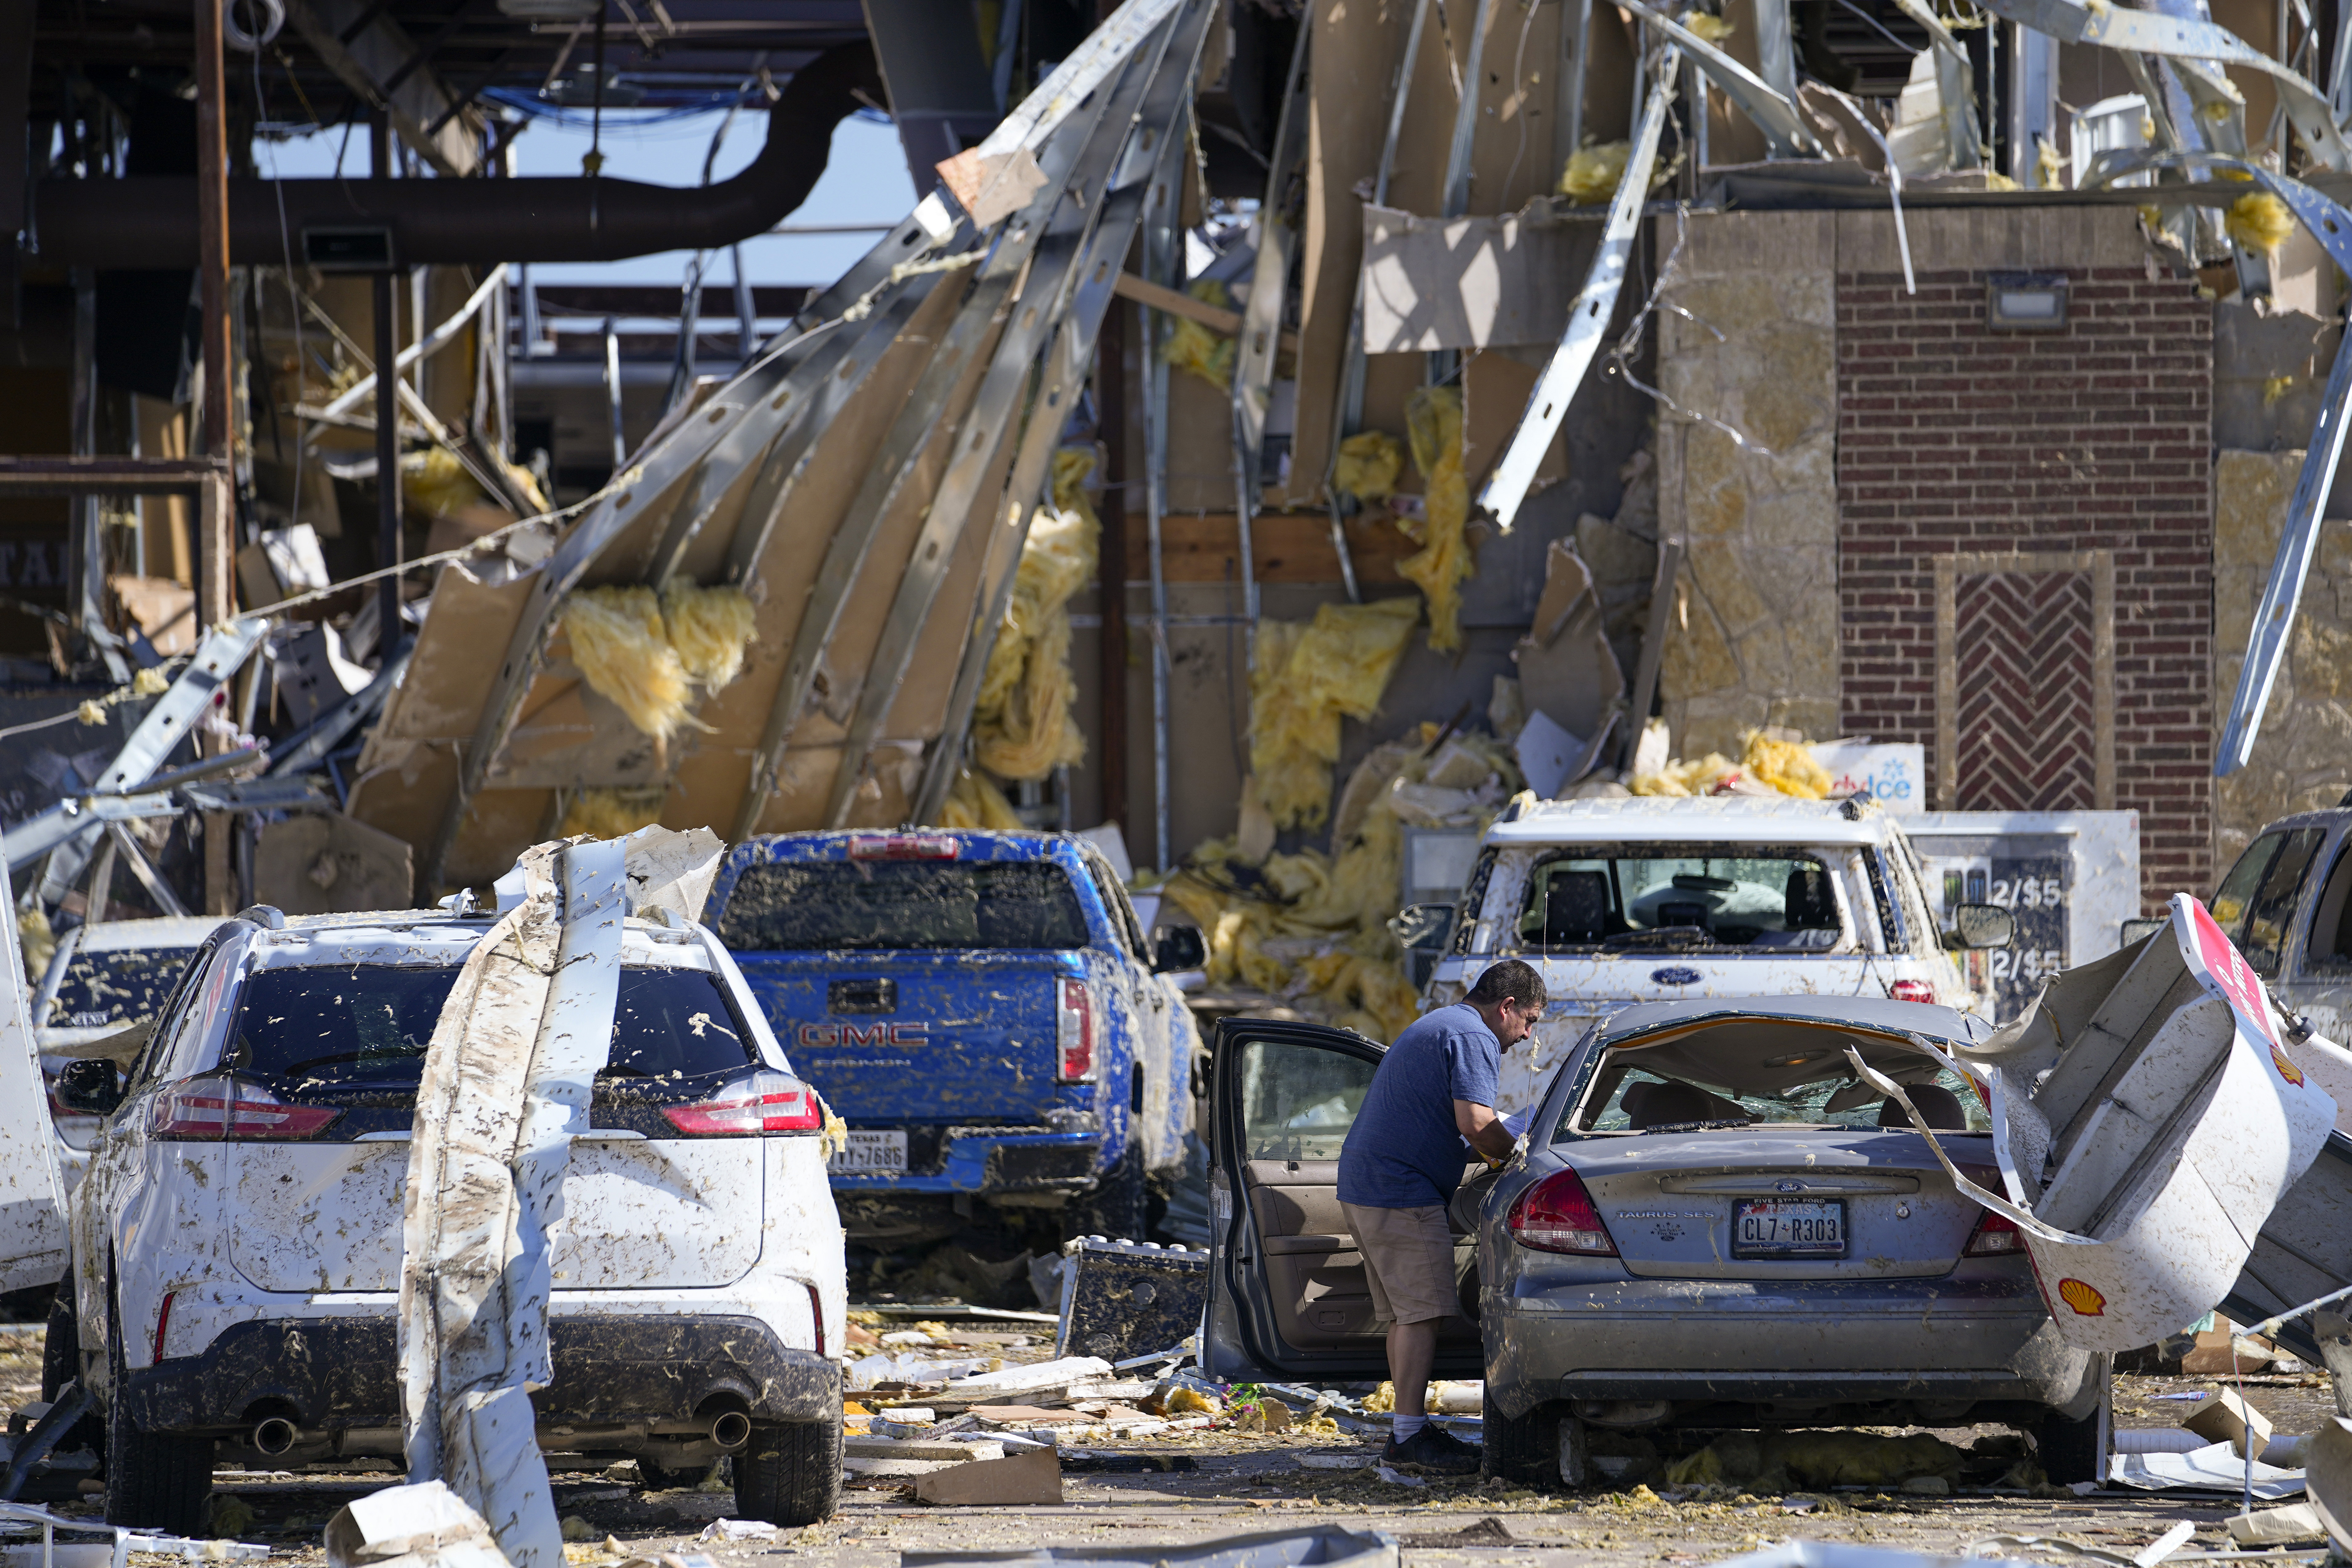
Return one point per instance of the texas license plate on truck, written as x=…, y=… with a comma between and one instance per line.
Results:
x=1782, y=1227
x=868, y=1153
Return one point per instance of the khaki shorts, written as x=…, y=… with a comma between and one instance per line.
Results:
x=1409, y=1261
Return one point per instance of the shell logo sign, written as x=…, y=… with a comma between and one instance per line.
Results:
x=2083, y=1297
x=2287, y=1069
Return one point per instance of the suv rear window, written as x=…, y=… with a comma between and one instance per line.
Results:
x=320, y=1033
x=1680, y=897
x=813, y=905
x=117, y=985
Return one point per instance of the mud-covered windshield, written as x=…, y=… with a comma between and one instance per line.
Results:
x=811, y=906
x=314, y=1031
x=1663, y=898
x=1759, y=1072
x=118, y=985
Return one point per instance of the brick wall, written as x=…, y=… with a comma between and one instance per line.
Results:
x=2098, y=437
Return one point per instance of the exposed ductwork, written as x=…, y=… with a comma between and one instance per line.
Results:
x=151, y=221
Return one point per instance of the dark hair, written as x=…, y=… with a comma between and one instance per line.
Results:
x=1511, y=980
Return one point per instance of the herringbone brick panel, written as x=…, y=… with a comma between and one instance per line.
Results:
x=2023, y=645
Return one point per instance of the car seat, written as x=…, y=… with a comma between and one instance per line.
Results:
x=1939, y=1108
x=1809, y=904
x=1648, y=1105
x=1576, y=908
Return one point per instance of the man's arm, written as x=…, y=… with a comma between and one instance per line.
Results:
x=1485, y=1129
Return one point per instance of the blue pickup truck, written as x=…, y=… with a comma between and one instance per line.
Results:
x=983, y=1010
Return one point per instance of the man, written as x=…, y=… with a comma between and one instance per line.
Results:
x=1401, y=1162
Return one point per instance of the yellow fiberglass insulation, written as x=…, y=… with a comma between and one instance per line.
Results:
x=434, y=481
x=1787, y=765
x=1312, y=929
x=974, y=801
x=1368, y=465
x=1594, y=171
x=35, y=943
x=1021, y=724
x=1781, y=1461
x=1679, y=778
x=2260, y=221
x=1713, y=29
x=709, y=628
x=1305, y=679
x=1433, y=417
x=1190, y=346
x=610, y=813
x=623, y=652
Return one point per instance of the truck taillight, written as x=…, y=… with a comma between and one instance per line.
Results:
x=901, y=846
x=222, y=1107
x=764, y=1102
x=1911, y=991
x=1557, y=1215
x=1074, y=1033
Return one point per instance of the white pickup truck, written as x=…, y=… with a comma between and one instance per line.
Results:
x=1647, y=900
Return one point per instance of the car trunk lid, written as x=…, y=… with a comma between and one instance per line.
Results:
x=1675, y=1203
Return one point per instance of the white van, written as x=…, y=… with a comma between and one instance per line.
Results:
x=1651, y=900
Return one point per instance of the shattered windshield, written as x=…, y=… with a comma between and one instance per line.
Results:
x=1658, y=898
x=813, y=905
x=1761, y=1072
x=117, y=985
x=365, y=1026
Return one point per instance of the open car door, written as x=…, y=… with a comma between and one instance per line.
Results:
x=1288, y=1300
x=32, y=1191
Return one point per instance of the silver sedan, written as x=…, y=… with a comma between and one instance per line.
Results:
x=1715, y=1223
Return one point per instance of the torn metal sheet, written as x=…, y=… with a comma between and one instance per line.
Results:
x=1274, y=234
x=1588, y=323
x=505, y=1087
x=1151, y=163
x=974, y=459
x=2175, y=37
x=2304, y=1250
x=1774, y=114
x=2147, y=1119
x=32, y=1191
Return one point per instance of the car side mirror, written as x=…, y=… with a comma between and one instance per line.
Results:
x=1980, y=925
x=2141, y=929
x=1422, y=927
x=88, y=1087
x=1180, y=948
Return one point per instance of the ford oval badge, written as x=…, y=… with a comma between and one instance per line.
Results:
x=1788, y=1187
x=1675, y=975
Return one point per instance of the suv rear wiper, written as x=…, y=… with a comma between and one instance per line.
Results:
x=1675, y=937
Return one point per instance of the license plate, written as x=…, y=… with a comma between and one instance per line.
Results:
x=1783, y=1227
x=867, y=1152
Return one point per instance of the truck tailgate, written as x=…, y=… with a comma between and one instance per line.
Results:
x=890, y=1039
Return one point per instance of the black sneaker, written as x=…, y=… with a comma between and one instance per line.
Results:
x=1433, y=1450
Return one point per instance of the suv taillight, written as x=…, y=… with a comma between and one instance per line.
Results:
x=1557, y=1215
x=1074, y=1033
x=220, y=1106
x=764, y=1103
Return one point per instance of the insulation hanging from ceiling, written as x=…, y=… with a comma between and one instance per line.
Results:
x=1434, y=421
x=1023, y=725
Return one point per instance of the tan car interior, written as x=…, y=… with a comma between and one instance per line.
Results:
x=1297, y=1104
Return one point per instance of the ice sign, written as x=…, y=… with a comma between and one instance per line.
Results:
x=1894, y=775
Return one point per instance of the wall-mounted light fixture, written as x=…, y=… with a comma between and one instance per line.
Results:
x=2025, y=302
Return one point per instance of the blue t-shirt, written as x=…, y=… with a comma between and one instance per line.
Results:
x=1405, y=1151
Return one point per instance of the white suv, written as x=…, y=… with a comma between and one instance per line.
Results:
x=237, y=1239
x=1651, y=900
